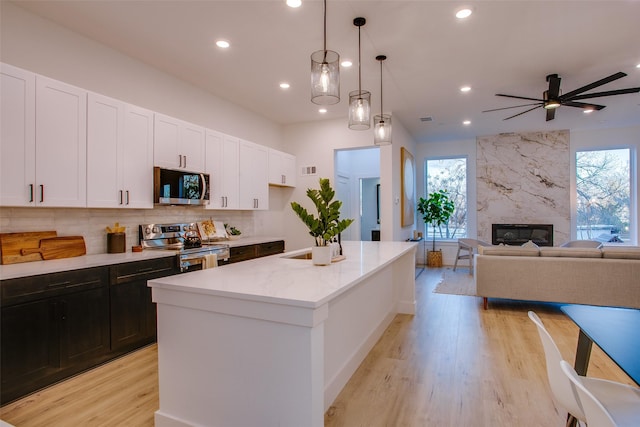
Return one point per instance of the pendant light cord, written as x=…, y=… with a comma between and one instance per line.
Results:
x=381, y=88
x=325, y=30
x=359, y=65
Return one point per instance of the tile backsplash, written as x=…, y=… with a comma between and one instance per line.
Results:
x=92, y=223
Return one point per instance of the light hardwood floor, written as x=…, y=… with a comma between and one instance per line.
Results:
x=452, y=364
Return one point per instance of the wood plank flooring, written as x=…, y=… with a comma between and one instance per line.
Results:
x=452, y=364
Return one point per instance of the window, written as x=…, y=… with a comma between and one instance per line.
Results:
x=603, y=202
x=449, y=174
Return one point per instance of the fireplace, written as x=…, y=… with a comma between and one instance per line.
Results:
x=517, y=234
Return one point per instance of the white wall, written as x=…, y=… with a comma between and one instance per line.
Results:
x=314, y=143
x=39, y=45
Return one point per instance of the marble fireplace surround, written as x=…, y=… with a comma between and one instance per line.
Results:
x=524, y=178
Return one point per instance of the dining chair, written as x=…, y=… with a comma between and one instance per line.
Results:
x=469, y=247
x=610, y=404
x=563, y=391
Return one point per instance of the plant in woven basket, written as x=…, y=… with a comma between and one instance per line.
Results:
x=436, y=210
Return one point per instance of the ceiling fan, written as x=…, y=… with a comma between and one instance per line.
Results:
x=552, y=99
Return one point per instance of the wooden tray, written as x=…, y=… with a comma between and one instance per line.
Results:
x=12, y=243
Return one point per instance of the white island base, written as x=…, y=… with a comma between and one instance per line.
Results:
x=272, y=341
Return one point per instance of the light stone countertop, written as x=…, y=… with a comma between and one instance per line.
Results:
x=25, y=269
x=280, y=279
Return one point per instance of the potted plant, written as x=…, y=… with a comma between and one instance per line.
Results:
x=327, y=224
x=436, y=210
x=232, y=232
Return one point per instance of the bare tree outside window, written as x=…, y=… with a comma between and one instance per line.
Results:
x=449, y=174
x=603, y=180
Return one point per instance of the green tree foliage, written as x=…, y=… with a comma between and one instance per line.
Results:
x=436, y=210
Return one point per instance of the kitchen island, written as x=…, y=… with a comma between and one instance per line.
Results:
x=272, y=341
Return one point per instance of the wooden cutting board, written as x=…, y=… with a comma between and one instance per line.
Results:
x=58, y=247
x=12, y=243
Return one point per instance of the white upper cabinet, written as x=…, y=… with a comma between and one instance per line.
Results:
x=178, y=144
x=282, y=168
x=44, y=141
x=223, y=169
x=17, y=137
x=61, y=144
x=119, y=154
x=254, y=176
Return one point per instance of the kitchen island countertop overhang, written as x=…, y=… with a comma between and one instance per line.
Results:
x=272, y=341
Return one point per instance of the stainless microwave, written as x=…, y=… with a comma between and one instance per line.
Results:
x=179, y=187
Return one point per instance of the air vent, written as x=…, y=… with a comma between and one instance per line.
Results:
x=308, y=170
x=426, y=119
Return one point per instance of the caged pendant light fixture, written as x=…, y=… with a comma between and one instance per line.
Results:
x=359, y=100
x=325, y=72
x=381, y=122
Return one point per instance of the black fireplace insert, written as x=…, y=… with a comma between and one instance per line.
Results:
x=517, y=234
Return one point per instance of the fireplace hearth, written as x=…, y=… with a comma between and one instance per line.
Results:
x=517, y=234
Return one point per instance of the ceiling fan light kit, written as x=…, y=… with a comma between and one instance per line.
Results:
x=359, y=100
x=552, y=99
x=325, y=72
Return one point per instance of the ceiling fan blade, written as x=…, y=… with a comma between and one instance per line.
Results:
x=506, y=108
x=590, y=86
x=519, y=114
x=554, y=86
x=520, y=97
x=551, y=113
x=607, y=93
x=583, y=105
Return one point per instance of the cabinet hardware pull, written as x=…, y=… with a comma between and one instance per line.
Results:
x=127, y=198
x=180, y=160
x=185, y=161
x=144, y=270
x=58, y=285
x=30, y=192
x=120, y=196
x=41, y=193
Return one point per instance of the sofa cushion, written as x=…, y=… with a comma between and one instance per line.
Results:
x=506, y=250
x=530, y=244
x=621, y=252
x=549, y=251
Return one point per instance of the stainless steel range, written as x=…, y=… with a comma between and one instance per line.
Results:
x=182, y=238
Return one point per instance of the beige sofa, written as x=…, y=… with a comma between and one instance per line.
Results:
x=607, y=276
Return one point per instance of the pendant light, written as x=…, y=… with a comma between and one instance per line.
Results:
x=359, y=100
x=325, y=72
x=381, y=122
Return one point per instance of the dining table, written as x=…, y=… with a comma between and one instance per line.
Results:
x=615, y=330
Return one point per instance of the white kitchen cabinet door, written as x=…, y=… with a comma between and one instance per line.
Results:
x=105, y=132
x=282, y=168
x=223, y=169
x=138, y=158
x=17, y=137
x=254, y=176
x=178, y=144
x=61, y=144
x=119, y=154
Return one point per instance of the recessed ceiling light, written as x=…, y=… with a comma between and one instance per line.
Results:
x=284, y=85
x=346, y=63
x=223, y=44
x=463, y=13
x=294, y=3
x=466, y=122
x=465, y=88
x=322, y=110
x=587, y=110
x=638, y=66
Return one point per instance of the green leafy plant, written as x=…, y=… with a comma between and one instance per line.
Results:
x=231, y=230
x=327, y=224
x=436, y=210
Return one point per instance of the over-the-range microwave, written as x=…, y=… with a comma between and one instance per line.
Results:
x=179, y=187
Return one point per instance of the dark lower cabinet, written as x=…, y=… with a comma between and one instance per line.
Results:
x=56, y=326
x=244, y=253
x=133, y=313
